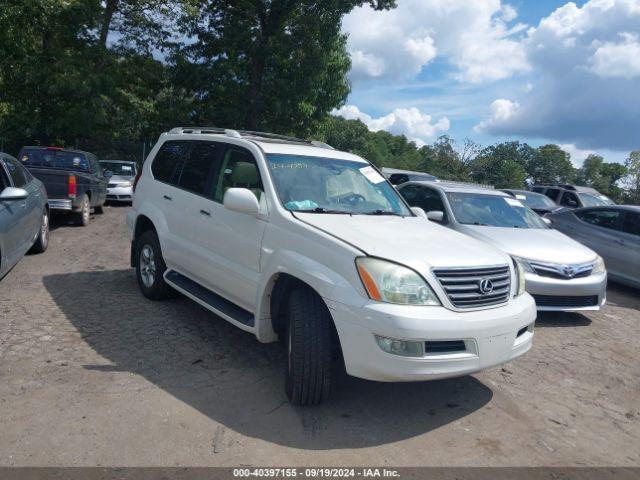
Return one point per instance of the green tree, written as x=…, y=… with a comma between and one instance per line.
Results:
x=277, y=65
x=503, y=165
x=602, y=176
x=550, y=164
x=632, y=179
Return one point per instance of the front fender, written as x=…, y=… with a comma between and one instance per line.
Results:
x=326, y=282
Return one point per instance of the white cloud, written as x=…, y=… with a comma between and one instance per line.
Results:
x=577, y=155
x=587, y=76
x=411, y=122
x=474, y=36
x=502, y=110
x=621, y=60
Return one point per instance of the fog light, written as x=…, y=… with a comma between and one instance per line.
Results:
x=403, y=348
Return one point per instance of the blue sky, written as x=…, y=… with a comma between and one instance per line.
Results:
x=490, y=70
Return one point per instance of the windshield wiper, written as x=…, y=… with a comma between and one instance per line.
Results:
x=383, y=212
x=324, y=210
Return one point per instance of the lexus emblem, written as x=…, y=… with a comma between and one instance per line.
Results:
x=568, y=271
x=486, y=286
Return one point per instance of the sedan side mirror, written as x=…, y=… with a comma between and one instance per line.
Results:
x=11, y=193
x=435, y=215
x=241, y=200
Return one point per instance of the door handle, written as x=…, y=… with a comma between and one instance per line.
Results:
x=167, y=197
x=205, y=212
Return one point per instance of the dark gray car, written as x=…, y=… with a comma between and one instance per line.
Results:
x=24, y=213
x=612, y=231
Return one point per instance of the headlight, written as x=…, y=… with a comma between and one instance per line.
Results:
x=125, y=184
x=392, y=283
x=521, y=266
x=598, y=265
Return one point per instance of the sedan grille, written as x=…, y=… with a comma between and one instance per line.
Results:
x=476, y=287
x=566, y=301
x=564, y=272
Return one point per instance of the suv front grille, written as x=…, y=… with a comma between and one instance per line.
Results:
x=475, y=287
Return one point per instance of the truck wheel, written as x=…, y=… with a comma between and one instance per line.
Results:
x=42, y=242
x=82, y=217
x=308, y=374
x=150, y=267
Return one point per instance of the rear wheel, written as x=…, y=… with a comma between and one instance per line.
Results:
x=82, y=217
x=150, y=267
x=309, y=348
x=42, y=242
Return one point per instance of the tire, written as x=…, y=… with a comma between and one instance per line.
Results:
x=150, y=267
x=99, y=209
x=42, y=242
x=309, y=349
x=83, y=216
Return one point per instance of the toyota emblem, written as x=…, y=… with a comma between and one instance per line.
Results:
x=568, y=271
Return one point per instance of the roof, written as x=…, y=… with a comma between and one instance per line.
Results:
x=458, y=187
x=523, y=192
x=117, y=161
x=40, y=147
x=267, y=142
x=570, y=187
x=632, y=208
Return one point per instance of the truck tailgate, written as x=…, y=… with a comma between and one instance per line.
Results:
x=55, y=181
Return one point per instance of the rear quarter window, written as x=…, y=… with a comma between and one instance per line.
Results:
x=169, y=159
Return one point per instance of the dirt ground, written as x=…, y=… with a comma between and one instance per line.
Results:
x=92, y=373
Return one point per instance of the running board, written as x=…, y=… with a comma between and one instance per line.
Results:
x=210, y=300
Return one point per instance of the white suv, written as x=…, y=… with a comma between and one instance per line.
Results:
x=295, y=240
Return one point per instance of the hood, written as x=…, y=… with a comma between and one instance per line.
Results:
x=121, y=179
x=411, y=241
x=544, y=245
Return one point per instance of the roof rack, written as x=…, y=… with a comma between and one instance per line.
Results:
x=247, y=133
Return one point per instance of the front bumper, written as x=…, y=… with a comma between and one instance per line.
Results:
x=564, y=295
x=490, y=337
x=120, y=194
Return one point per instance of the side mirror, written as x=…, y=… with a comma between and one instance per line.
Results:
x=419, y=212
x=107, y=173
x=11, y=193
x=241, y=200
x=435, y=216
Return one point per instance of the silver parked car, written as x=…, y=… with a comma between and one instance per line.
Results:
x=121, y=177
x=24, y=213
x=561, y=274
x=612, y=231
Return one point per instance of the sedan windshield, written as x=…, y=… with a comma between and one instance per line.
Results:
x=536, y=200
x=590, y=200
x=329, y=185
x=492, y=211
x=119, y=168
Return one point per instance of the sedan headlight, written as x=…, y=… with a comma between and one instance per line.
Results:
x=125, y=184
x=598, y=265
x=521, y=266
x=392, y=283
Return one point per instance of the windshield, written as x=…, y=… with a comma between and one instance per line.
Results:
x=49, y=158
x=492, y=211
x=590, y=200
x=329, y=185
x=119, y=168
x=535, y=200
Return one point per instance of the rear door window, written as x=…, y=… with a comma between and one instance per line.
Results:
x=169, y=160
x=605, y=218
x=552, y=193
x=570, y=200
x=194, y=174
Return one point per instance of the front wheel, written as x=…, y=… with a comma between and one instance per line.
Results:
x=42, y=242
x=150, y=267
x=309, y=348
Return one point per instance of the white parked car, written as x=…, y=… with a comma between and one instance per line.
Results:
x=560, y=273
x=294, y=240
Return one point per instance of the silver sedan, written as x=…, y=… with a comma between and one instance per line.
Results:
x=612, y=231
x=560, y=273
